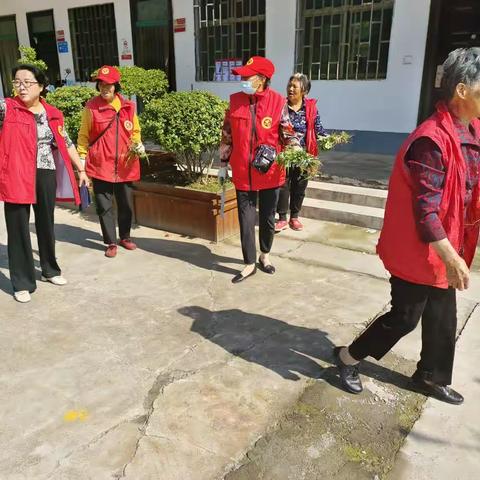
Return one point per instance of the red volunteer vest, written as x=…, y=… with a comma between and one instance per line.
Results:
x=269, y=106
x=18, y=155
x=107, y=157
x=311, y=137
x=400, y=247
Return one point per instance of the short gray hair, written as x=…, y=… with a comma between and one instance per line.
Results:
x=304, y=81
x=461, y=66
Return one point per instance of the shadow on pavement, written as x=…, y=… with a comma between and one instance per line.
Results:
x=5, y=284
x=194, y=253
x=78, y=236
x=286, y=349
x=274, y=344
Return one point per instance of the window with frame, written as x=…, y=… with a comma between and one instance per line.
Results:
x=227, y=29
x=94, y=38
x=343, y=39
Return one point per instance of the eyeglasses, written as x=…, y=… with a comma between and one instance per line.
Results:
x=26, y=83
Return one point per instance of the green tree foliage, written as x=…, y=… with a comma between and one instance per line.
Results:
x=146, y=84
x=70, y=101
x=28, y=56
x=188, y=124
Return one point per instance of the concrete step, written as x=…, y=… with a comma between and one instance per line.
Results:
x=359, y=215
x=345, y=204
x=369, y=197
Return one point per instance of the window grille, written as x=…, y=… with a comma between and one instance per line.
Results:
x=343, y=39
x=94, y=38
x=227, y=30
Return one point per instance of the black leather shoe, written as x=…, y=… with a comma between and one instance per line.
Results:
x=348, y=374
x=240, y=278
x=265, y=268
x=444, y=393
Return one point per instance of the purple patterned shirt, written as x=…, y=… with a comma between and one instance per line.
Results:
x=424, y=160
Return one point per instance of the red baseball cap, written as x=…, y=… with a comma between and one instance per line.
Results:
x=254, y=66
x=108, y=74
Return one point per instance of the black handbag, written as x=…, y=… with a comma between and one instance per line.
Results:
x=264, y=158
x=264, y=154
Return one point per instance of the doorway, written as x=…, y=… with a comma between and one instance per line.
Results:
x=152, y=30
x=8, y=52
x=453, y=24
x=41, y=30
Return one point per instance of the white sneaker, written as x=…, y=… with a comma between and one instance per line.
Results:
x=22, y=296
x=58, y=280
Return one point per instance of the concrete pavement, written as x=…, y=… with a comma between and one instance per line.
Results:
x=153, y=366
x=445, y=441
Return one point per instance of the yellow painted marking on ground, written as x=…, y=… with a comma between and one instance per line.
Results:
x=75, y=415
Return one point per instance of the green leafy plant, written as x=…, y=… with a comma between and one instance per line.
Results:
x=137, y=150
x=148, y=84
x=70, y=101
x=308, y=164
x=188, y=124
x=28, y=56
x=332, y=140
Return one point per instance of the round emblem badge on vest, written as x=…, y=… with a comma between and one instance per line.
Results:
x=266, y=122
x=61, y=130
x=250, y=62
x=128, y=125
x=105, y=71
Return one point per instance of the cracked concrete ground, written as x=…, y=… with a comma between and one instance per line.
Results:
x=153, y=366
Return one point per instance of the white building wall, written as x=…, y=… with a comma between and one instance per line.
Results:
x=389, y=105
x=19, y=8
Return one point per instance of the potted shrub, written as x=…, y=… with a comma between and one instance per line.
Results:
x=187, y=200
x=70, y=101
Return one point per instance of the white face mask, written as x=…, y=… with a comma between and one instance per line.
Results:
x=247, y=87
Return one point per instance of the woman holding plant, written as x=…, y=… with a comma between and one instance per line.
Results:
x=306, y=123
x=109, y=140
x=256, y=124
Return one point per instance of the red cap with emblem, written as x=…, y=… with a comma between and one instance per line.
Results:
x=108, y=74
x=256, y=66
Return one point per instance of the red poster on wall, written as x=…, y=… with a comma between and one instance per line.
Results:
x=179, y=25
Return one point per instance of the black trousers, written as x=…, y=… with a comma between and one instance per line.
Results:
x=104, y=193
x=438, y=310
x=247, y=215
x=293, y=191
x=17, y=218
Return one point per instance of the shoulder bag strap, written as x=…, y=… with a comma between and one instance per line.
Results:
x=91, y=144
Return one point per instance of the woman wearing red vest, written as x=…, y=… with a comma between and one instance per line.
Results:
x=108, y=132
x=256, y=124
x=429, y=234
x=306, y=123
x=36, y=157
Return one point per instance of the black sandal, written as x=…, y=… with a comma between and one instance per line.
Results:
x=270, y=269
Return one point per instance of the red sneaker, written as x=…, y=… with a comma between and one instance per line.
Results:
x=281, y=225
x=127, y=243
x=295, y=224
x=111, y=251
